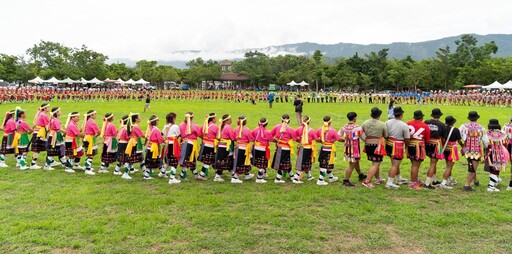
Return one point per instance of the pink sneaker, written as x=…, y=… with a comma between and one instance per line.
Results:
x=368, y=184
x=379, y=181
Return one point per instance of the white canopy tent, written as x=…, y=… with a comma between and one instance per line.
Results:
x=293, y=83
x=67, y=81
x=120, y=81
x=107, y=80
x=95, y=81
x=141, y=81
x=303, y=83
x=37, y=80
x=494, y=85
x=82, y=81
x=130, y=82
x=52, y=80
x=507, y=85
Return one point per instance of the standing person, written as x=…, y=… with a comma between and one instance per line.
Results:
x=434, y=146
x=55, y=141
x=9, y=128
x=172, y=155
x=21, y=142
x=224, y=153
x=351, y=133
x=242, y=152
x=152, y=159
x=270, y=99
x=298, y=103
x=497, y=156
x=398, y=132
x=284, y=136
x=134, y=148
x=189, y=152
x=39, y=139
x=122, y=157
x=73, y=151
x=110, y=143
x=91, y=133
x=306, y=137
x=328, y=136
x=419, y=136
x=148, y=101
x=507, y=128
x=261, y=150
x=450, y=152
x=374, y=135
x=208, y=133
x=473, y=135
x=391, y=108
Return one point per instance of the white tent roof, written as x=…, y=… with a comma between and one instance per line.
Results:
x=141, y=81
x=507, y=85
x=293, y=83
x=67, y=81
x=120, y=81
x=52, y=80
x=95, y=81
x=130, y=82
x=37, y=80
x=83, y=81
x=303, y=83
x=494, y=85
x=107, y=80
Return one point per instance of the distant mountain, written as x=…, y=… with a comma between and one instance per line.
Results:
x=417, y=50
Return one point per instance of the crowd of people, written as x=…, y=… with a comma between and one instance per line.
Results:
x=237, y=149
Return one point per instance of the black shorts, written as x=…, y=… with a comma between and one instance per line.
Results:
x=370, y=152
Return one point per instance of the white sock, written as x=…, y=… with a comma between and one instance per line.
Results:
x=434, y=178
x=390, y=180
x=443, y=182
x=428, y=181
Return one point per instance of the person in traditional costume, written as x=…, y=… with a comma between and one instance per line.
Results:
x=473, y=135
x=283, y=136
x=171, y=133
x=261, y=149
x=242, y=152
x=189, y=132
x=350, y=133
x=374, y=136
x=507, y=128
x=122, y=157
x=154, y=136
x=73, y=150
x=110, y=144
x=328, y=136
x=496, y=156
x=21, y=141
x=450, y=152
x=434, y=146
x=9, y=128
x=398, y=137
x=134, y=148
x=91, y=133
x=208, y=133
x=224, y=153
x=419, y=136
x=306, y=155
x=39, y=137
x=55, y=141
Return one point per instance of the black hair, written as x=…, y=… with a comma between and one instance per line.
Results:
x=170, y=118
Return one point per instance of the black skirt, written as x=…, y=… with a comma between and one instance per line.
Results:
x=150, y=162
x=324, y=158
x=94, y=150
x=222, y=159
x=206, y=155
x=281, y=160
x=107, y=157
x=121, y=156
x=370, y=152
x=186, y=151
x=171, y=160
x=239, y=162
x=58, y=150
x=259, y=159
x=4, y=149
x=37, y=144
x=304, y=159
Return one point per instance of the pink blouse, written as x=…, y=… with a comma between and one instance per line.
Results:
x=331, y=135
x=212, y=132
x=43, y=120
x=312, y=135
x=156, y=136
x=284, y=136
x=246, y=135
x=23, y=126
x=136, y=132
x=10, y=126
x=262, y=135
x=228, y=133
x=55, y=124
x=193, y=129
x=91, y=128
x=72, y=130
x=110, y=130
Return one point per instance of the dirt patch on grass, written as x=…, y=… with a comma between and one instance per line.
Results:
x=67, y=250
x=399, y=244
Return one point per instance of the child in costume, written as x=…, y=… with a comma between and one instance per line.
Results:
x=327, y=135
x=208, y=133
x=283, y=135
x=9, y=128
x=122, y=157
x=91, y=133
x=242, y=152
x=110, y=143
x=56, y=145
x=351, y=133
x=39, y=137
x=154, y=136
x=261, y=150
x=306, y=137
x=21, y=141
x=224, y=153
x=171, y=132
x=189, y=152
x=73, y=150
x=134, y=148
x=496, y=156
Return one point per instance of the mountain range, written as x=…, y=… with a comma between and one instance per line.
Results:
x=417, y=50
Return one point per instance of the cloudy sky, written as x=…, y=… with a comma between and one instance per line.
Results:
x=154, y=29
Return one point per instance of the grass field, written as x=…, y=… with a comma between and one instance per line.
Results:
x=57, y=212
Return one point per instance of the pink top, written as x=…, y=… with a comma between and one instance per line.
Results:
x=110, y=130
x=331, y=135
x=212, y=132
x=123, y=134
x=227, y=133
x=285, y=136
x=193, y=129
x=43, y=120
x=246, y=135
x=311, y=135
x=136, y=132
x=55, y=124
x=22, y=126
x=262, y=135
x=10, y=126
x=156, y=136
x=91, y=128
x=72, y=130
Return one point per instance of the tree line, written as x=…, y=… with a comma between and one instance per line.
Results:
x=468, y=63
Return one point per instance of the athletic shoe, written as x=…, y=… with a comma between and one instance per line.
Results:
x=249, y=176
x=133, y=170
x=200, y=178
x=218, y=179
x=347, y=183
x=492, y=189
x=321, y=182
x=173, y=181
x=236, y=180
x=452, y=182
x=17, y=164
x=35, y=167
x=509, y=188
x=162, y=175
x=430, y=187
x=90, y=172
x=261, y=181
x=102, y=171
x=147, y=178
x=477, y=183
x=379, y=181
x=49, y=168
x=416, y=186
x=402, y=181
x=23, y=167
x=311, y=178
x=297, y=181
x=279, y=181
x=118, y=173
x=55, y=164
x=467, y=188
x=392, y=186
x=333, y=179
x=368, y=184
x=3, y=165
x=78, y=167
x=361, y=177
x=126, y=176
x=436, y=183
x=68, y=170
x=444, y=186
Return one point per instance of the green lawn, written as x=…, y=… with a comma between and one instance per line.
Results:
x=65, y=213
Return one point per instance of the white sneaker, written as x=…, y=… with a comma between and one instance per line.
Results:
x=102, y=171
x=402, y=181
x=126, y=176
x=78, y=167
x=509, y=188
x=148, y=178
x=218, y=179
x=118, y=173
x=279, y=181
x=200, y=178
x=49, y=168
x=236, y=180
x=133, y=170
x=261, y=181
x=311, y=178
x=452, y=182
x=392, y=186
x=17, y=164
x=3, y=165
x=68, y=170
x=173, y=181
x=249, y=176
x=162, y=175
x=492, y=189
x=333, y=179
x=23, y=167
x=297, y=181
x=321, y=182
x=90, y=172
x=35, y=167
x=444, y=186
x=55, y=164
